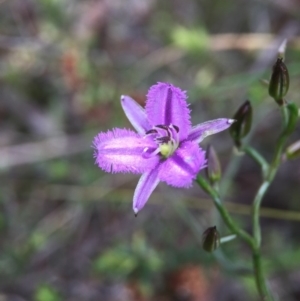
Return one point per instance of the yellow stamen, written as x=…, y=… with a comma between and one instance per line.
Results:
x=166, y=149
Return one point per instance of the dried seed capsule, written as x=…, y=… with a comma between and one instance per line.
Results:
x=279, y=82
x=243, y=123
x=210, y=239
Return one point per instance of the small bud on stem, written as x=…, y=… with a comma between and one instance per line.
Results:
x=213, y=170
x=242, y=126
x=279, y=82
x=210, y=239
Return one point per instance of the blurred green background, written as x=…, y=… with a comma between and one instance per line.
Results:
x=67, y=230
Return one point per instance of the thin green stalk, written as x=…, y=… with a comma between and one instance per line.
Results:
x=259, y=277
x=256, y=254
x=223, y=211
x=255, y=211
x=285, y=116
x=196, y=228
x=269, y=175
x=269, y=172
x=257, y=157
x=277, y=158
x=251, y=241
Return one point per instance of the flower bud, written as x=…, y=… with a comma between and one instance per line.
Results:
x=279, y=82
x=213, y=170
x=210, y=239
x=242, y=126
x=293, y=151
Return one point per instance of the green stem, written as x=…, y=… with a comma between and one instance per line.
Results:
x=256, y=254
x=277, y=157
x=257, y=157
x=255, y=211
x=269, y=175
x=251, y=241
x=196, y=228
x=285, y=115
x=223, y=211
x=269, y=172
x=259, y=277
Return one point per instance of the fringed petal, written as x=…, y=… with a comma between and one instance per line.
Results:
x=183, y=166
x=122, y=150
x=166, y=105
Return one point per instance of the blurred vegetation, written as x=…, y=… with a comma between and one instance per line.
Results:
x=67, y=231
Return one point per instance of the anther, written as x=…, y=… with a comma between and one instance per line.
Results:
x=152, y=131
x=163, y=139
x=176, y=128
x=161, y=126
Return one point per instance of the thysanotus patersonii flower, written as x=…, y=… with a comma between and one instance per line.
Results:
x=165, y=147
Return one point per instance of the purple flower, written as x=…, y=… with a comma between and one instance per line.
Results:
x=165, y=147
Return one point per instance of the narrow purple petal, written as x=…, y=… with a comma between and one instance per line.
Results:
x=166, y=104
x=182, y=168
x=202, y=130
x=121, y=150
x=135, y=114
x=147, y=183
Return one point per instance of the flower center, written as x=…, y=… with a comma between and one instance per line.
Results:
x=167, y=140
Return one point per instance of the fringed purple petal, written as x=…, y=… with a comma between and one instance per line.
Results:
x=202, y=130
x=144, y=188
x=182, y=168
x=135, y=114
x=121, y=150
x=167, y=105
